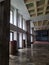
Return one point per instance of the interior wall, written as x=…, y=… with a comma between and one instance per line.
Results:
x=42, y=35
x=21, y=26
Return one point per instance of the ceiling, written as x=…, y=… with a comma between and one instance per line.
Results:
x=31, y=12
x=37, y=7
x=39, y=13
x=35, y=10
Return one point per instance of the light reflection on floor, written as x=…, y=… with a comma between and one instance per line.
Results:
x=23, y=58
x=36, y=56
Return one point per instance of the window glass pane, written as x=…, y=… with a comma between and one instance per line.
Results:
x=15, y=35
x=24, y=25
x=20, y=40
x=11, y=17
x=20, y=21
x=10, y=36
x=15, y=17
x=31, y=30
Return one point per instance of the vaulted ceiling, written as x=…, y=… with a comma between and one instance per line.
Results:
x=38, y=8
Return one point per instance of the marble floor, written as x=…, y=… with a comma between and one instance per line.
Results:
x=31, y=56
x=24, y=57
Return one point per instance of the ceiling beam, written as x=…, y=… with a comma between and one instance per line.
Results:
x=42, y=29
x=47, y=10
x=40, y=11
x=47, y=22
x=31, y=8
x=45, y=6
x=45, y=26
x=37, y=24
x=48, y=4
x=40, y=6
x=42, y=23
x=29, y=1
x=42, y=26
x=35, y=6
x=32, y=13
x=40, y=18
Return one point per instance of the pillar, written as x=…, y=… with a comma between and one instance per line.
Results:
x=4, y=31
x=34, y=36
x=48, y=34
x=28, y=34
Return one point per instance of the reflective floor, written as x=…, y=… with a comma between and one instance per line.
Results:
x=30, y=56
x=24, y=57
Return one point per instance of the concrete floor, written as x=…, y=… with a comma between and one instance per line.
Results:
x=36, y=56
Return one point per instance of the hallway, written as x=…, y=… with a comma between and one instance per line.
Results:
x=24, y=32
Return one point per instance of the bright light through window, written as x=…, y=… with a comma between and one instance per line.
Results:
x=10, y=36
x=11, y=17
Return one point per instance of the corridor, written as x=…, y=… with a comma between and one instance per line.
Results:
x=24, y=32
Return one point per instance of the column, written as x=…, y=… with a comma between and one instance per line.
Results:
x=17, y=29
x=34, y=37
x=4, y=31
x=22, y=33
x=28, y=33
x=48, y=34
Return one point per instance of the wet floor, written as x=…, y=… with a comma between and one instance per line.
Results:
x=28, y=56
